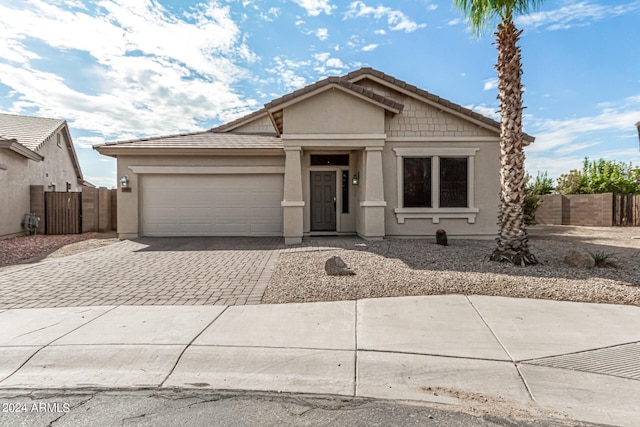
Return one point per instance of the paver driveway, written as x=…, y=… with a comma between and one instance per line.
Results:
x=149, y=271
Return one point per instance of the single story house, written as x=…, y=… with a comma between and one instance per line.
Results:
x=363, y=154
x=33, y=151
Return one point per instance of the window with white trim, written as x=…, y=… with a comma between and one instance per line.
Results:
x=435, y=183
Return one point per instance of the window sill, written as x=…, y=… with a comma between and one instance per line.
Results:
x=435, y=214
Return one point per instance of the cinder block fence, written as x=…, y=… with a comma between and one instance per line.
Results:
x=594, y=210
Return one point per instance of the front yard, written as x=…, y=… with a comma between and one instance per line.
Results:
x=402, y=267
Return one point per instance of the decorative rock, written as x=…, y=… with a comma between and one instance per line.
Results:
x=580, y=259
x=441, y=237
x=335, y=266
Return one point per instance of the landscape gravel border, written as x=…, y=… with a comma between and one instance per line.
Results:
x=405, y=267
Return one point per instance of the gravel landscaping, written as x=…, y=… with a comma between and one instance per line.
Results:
x=402, y=267
x=29, y=249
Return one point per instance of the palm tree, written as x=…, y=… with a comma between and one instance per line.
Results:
x=512, y=239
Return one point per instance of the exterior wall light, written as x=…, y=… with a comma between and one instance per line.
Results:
x=124, y=181
x=356, y=179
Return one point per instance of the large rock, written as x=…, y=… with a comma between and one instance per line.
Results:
x=335, y=266
x=579, y=258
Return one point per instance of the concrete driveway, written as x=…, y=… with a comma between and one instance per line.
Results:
x=149, y=271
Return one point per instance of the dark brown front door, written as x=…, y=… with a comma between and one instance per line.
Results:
x=323, y=201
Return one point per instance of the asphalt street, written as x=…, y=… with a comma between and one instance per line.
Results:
x=205, y=408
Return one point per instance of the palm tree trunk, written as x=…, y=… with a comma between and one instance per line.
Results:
x=512, y=239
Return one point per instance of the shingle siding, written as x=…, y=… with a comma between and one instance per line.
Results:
x=419, y=119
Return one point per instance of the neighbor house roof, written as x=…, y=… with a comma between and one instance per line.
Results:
x=33, y=133
x=16, y=147
x=205, y=139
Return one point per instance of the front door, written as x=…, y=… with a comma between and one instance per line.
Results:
x=323, y=201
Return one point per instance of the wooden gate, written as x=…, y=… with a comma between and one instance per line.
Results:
x=626, y=209
x=63, y=213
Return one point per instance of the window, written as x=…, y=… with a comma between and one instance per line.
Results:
x=453, y=182
x=329, y=160
x=58, y=140
x=417, y=182
x=435, y=183
x=345, y=192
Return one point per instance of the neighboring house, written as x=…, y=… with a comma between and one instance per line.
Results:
x=362, y=154
x=33, y=151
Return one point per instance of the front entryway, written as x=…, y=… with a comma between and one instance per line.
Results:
x=323, y=201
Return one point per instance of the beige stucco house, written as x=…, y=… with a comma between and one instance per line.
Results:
x=363, y=154
x=33, y=151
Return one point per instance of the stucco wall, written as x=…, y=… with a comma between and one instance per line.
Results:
x=56, y=168
x=261, y=125
x=486, y=194
x=333, y=111
x=129, y=202
x=14, y=191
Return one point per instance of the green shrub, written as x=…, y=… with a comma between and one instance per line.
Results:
x=532, y=192
x=601, y=176
x=603, y=259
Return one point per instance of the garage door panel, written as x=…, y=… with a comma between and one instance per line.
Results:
x=211, y=205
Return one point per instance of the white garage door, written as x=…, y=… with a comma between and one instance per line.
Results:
x=211, y=205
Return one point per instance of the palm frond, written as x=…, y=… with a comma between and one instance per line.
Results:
x=483, y=15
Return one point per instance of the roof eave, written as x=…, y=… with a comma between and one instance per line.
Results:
x=332, y=86
x=18, y=148
x=115, y=151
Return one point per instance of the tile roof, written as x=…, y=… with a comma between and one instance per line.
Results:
x=367, y=71
x=340, y=81
x=308, y=89
x=31, y=132
x=206, y=139
x=350, y=80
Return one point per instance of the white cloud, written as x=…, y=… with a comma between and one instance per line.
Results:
x=490, y=84
x=315, y=7
x=335, y=63
x=270, y=15
x=322, y=33
x=322, y=57
x=88, y=141
x=153, y=72
x=369, y=47
x=380, y=32
x=575, y=14
x=287, y=72
x=455, y=21
x=396, y=20
x=491, y=112
x=325, y=65
x=554, y=135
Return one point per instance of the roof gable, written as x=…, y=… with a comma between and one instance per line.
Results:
x=349, y=83
x=427, y=97
x=33, y=133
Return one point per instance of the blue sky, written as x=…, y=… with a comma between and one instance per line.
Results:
x=121, y=69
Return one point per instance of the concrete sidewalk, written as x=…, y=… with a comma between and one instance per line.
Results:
x=575, y=360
